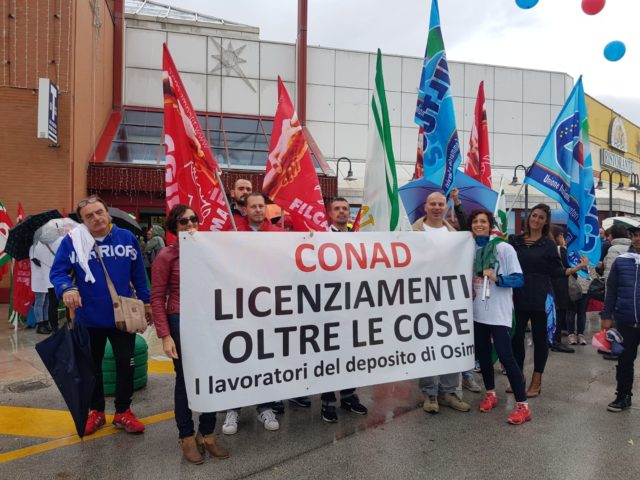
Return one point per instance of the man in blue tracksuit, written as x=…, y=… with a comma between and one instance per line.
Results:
x=79, y=280
x=622, y=302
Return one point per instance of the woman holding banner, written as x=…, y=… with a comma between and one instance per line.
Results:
x=165, y=305
x=496, y=273
x=539, y=259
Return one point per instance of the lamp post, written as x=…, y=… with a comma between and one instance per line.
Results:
x=515, y=182
x=600, y=186
x=634, y=185
x=350, y=177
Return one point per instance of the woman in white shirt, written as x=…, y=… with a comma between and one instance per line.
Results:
x=492, y=315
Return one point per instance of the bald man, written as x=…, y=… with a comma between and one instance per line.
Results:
x=440, y=389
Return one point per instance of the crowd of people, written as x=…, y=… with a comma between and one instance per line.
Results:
x=511, y=284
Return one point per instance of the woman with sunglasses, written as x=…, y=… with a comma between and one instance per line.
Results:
x=539, y=259
x=492, y=310
x=165, y=303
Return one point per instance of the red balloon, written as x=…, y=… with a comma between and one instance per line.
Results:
x=593, y=7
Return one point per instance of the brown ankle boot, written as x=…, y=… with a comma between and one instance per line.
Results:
x=190, y=450
x=535, y=387
x=208, y=443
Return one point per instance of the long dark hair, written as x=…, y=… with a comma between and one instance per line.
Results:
x=546, y=230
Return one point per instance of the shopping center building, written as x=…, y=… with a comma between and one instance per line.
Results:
x=105, y=57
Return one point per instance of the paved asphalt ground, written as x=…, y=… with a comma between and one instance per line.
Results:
x=572, y=436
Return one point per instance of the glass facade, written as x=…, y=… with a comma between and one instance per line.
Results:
x=236, y=142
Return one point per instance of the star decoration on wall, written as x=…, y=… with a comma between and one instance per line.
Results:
x=229, y=61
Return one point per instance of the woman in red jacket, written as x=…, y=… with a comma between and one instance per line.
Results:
x=165, y=305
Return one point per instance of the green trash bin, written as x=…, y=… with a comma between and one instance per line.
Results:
x=141, y=357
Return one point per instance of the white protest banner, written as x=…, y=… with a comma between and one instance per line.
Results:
x=268, y=316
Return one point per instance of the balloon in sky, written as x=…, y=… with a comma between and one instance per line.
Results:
x=526, y=3
x=614, y=51
x=593, y=7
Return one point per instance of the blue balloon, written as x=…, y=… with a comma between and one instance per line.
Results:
x=526, y=4
x=614, y=51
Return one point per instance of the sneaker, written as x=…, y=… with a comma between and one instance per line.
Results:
x=278, y=407
x=573, y=339
x=353, y=404
x=430, y=404
x=582, y=339
x=452, y=400
x=43, y=328
x=268, y=419
x=561, y=347
x=622, y=402
x=471, y=385
x=611, y=356
x=489, y=402
x=304, y=402
x=328, y=413
x=128, y=421
x=520, y=414
x=477, y=368
x=230, y=425
x=94, y=421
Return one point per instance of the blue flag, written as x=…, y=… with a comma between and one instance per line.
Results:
x=562, y=170
x=435, y=113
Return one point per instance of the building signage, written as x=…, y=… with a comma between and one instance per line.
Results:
x=615, y=161
x=47, y=110
x=618, y=135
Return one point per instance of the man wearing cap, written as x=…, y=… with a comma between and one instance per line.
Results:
x=622, y=302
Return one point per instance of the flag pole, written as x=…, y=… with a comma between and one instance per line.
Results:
x=226, y=200
x=485, y=284
x=515, y=199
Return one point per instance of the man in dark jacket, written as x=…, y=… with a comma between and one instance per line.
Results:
x=622, y=302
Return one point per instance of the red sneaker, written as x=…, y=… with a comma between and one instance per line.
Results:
x=128, y=421
x=519, y=415
x=94, y=421
x=489, y=402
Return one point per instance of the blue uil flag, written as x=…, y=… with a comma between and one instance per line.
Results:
x=562, y=170
x=435, y=113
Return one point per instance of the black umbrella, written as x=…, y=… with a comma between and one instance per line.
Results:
x=21, y=235
x=120, y=218
x=67, y=356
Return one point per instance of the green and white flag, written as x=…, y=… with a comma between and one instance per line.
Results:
x=382, y=210
x=500, y=229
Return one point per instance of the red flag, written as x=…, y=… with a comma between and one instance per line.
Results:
x=21, y=216
x=356, y=222
x=419, y=170
x=478, y=160
x=192, y=173
x=22, y=296
x=290, y=180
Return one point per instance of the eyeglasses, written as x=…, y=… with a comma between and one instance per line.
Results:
x=185, y=221
x=87, y=201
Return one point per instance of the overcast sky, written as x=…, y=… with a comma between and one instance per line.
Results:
x=555, y=35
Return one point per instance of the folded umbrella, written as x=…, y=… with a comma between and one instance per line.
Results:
x=21, y=235
x=67, y=356
x=472, y=194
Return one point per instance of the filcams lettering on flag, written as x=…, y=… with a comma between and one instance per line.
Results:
x=563, y=171
x=190, y=176
x=435, y=112
x=381, y=206
x=290, y=180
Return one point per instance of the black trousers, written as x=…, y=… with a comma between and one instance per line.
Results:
x=331, y=396
x=624, y=371
x=183, y=414
x=483, y=334
x=539, y=334
x=123, y=345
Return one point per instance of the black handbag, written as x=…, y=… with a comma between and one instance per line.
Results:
x=596, y=289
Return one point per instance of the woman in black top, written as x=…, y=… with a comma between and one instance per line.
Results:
x=539, y=259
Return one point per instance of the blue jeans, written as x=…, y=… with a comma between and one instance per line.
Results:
x=41, y=306
x=184, y=420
